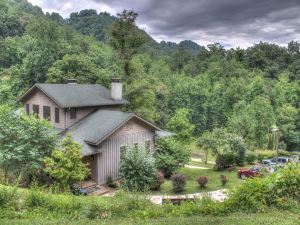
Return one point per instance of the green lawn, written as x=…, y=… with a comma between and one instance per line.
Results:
x=269, y=218
x=213, y=176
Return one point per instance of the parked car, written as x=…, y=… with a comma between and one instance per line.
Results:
x=252, y=172
x=281, y=160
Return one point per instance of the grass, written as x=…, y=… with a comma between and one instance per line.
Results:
x=269, y=218
x=214, y=182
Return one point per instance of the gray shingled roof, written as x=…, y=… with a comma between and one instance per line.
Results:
x=97, y=127
x=77, y=95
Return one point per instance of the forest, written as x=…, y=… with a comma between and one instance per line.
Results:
x=242, y=91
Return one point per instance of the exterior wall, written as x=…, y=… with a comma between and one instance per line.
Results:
x=108, y=161
x=39, y=98
x=80, y=113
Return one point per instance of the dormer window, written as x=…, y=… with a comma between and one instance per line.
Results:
x=73, y=113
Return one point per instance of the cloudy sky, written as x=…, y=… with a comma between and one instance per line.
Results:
x=230, y=22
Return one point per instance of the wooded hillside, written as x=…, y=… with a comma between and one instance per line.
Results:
x=246, y=91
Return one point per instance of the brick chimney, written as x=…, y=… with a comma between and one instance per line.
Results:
x=116, y=89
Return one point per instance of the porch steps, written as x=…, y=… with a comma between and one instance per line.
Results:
x=101, y=191
x=88, y=184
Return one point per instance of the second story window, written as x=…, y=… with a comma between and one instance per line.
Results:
x=36, y=109
x=73, y=113
x=46, y=113
x=27, y=109
x=56, y=115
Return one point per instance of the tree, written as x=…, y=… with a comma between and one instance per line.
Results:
x=181, y=126
x=227, y=147
x=24, y=142
x=65, y=163
x=137, y=169
x=170, y=155
x=126, y=39
x=80, y=67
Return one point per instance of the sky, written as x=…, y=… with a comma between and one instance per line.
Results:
x=233, y=23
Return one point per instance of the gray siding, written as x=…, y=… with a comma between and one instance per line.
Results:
x=108, y=161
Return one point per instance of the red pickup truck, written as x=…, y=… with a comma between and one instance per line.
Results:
x=252, y=172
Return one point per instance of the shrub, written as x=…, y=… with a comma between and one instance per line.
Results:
x=8, y=196
x=137, y=169
x=36, y=198
x=224, y=179
x=202, y=181
x=170, y=155
x=110, y=182
x=65, y=165
x=251, y=157
x=179, y=182
x=159, y=179
x=224, y=160
x=97, y=211
x=269, y=154
x=265, y=154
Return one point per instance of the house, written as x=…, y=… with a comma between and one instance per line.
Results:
x=94, y=117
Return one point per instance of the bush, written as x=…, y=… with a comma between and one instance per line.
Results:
x=179, y=182
x=170, y=155
x=202, y=181
x=224, y=160
x=8, y=196
x=269, y=154
x=110, y=182
x=36, y=198
x=271, y=191
x=159, y=179
x=65, y=164
x=137, y=169
x=251, y=157
x=224, y=180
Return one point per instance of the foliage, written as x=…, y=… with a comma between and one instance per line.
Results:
x=178, y=181
x=125, y=38
x=110, y=182
x=270, y=154
x=181, y=126
x=159, y=179
x=224, y=160
x=24, y=142
x=202, y=181
x=137, y=169
x=170, y=155
x=278, y=191
x=65, y=165
x=228, y=148
x=244, y=91
x=251, y=157
x=223, y=179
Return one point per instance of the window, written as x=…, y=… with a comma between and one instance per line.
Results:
x=56, y=115
x=27, y=109
x=147, y=144
x=46, y=113
x=36, y=109
x=122, y=151
x=73, y=113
